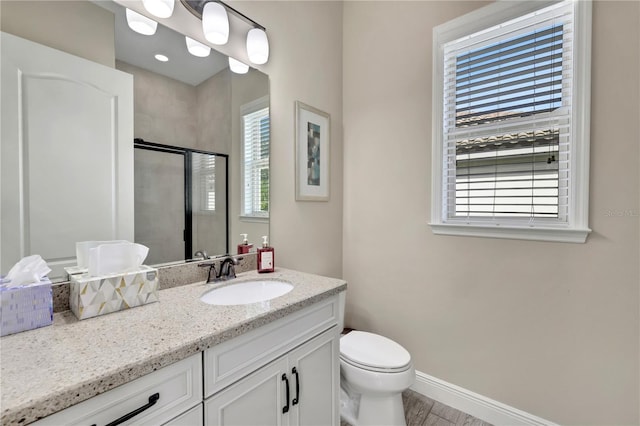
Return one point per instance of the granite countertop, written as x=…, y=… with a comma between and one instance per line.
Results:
x=51, y=368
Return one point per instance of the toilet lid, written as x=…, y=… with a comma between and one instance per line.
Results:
x=372, y=351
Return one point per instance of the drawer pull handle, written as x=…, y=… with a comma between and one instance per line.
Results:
x=152, y=401
x=295, y=400
x=285, y=409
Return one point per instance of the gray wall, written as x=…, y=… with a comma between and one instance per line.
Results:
x=549, y=328
x=305, y=64
x=56, y=24
x=165, y=110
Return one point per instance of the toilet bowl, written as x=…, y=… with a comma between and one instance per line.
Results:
x=374, y=371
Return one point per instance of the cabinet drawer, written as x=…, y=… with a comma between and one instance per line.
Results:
x=230, y=361
x=178, y=385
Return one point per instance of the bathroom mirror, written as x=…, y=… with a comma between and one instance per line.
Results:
x=204, y=117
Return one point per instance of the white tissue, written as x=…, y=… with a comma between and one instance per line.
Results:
x=29, y=270
x=115, y=258
x=83, y=247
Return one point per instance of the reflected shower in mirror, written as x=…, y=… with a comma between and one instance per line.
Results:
x=180, y=201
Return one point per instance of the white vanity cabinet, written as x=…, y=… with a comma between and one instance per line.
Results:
x=157, y=398
x=297, y=389
x=285, y=373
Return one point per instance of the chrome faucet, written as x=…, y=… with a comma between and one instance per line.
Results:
x=227, y=268
x=201, y=253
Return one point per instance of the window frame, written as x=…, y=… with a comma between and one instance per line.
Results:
x=246, y=109
x=576, y=229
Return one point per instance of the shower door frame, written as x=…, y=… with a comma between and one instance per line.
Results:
x=188, y=193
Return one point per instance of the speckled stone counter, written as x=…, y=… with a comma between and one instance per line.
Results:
x=48, y=369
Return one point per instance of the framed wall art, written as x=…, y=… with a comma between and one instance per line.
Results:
x=312, y=141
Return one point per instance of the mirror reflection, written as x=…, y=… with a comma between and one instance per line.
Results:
x=200, y=167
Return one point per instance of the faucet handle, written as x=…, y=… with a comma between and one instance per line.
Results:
x=212, y=270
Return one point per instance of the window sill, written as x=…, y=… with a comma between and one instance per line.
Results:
x=562, y=235
x=256, y=219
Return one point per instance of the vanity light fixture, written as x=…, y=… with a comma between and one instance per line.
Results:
x=215, y=23
x=257, y=46
x=161, y=58
x=159, y=8
x=196, y=48
x=237, y=66
x=140, y=23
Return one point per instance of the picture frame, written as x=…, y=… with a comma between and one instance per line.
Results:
x=312, y=153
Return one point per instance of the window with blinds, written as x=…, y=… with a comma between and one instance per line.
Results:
x=204, y=182
x=508, y=114
x=255, y=156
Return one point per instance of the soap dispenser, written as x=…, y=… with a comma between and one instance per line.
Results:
x=244, y=247
x=266, y=257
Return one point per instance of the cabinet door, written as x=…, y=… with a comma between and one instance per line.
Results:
x=192, y=417
x=258, y=399
x=314, y=369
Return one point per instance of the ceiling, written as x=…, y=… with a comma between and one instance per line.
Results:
x=139, y=50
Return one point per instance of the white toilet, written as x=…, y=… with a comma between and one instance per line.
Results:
x=374, y=371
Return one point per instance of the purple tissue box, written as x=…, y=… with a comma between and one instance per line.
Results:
x=25, y=307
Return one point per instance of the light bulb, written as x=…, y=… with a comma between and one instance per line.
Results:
x=196, y=48
x=257, y=46
x=237, y=66
x=140, y=23
x=159, y=8
x=215, y=23
x=161, y=57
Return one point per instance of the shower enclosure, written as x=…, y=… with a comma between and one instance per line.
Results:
x=181, y=201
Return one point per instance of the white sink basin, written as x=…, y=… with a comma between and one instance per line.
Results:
x=246, y=292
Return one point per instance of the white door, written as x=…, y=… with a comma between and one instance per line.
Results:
x=315, y=382
x=258, y=399
x=67, y=153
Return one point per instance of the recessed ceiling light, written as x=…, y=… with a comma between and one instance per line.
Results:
x=161, y=58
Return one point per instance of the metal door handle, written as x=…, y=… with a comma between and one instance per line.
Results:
x=296, y=399
x=285, y=409
x=152, y=401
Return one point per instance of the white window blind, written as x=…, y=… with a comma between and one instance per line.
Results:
x=508, y=133
x=204, y=172
x=255, y=167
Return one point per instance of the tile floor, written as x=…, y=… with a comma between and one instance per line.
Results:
x=422, y=411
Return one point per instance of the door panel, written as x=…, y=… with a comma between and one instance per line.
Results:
x=67, y=127
x=255, y=400
x=317, y=364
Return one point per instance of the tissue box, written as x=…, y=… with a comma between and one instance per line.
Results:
x=25, y=307
x=93, y=296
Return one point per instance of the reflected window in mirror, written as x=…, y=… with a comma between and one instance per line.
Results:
x=204, y=171
x=255, y=158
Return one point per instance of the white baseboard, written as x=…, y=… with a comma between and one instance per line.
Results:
x=471, y=403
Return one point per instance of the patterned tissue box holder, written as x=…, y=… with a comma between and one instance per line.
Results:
x=93, y=296
x=25, y=307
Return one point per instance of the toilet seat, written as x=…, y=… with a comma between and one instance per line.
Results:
x=373, y=352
